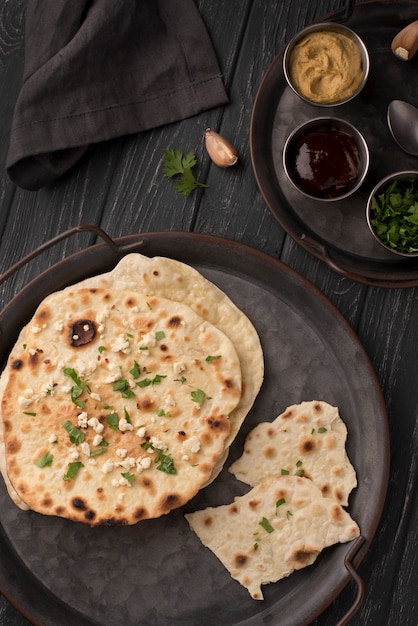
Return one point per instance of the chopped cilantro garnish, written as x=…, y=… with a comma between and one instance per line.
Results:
x=31, y=413
x=112, y=420
x=97, y=451
x=212, y=358
x=166, y=462
x=280, y=502
x=157, y=379
x=322, y=429
x=76, y=435
x=72, y=470
x=45, y=460
x=127, y=416
x=300, y=472
x=101, y=349
x=198, y=396
x=266, y=525
x=284, y=472
x=181, y=380
x=394, y=215
x=136, y=370
x=160, y=334
x=289, y=514
x=162, y=413
x=298, y=463
x=122, y=385
x=127, y=476
x=78, y=387
x=151, y=381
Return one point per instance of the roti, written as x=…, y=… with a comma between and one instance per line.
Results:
x=307, y=438
x=280, y=526
x=180, y=283
x=117, y=407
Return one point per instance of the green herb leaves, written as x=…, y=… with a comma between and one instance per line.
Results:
x=175, y=164
x=78, y=388
x=264, y=523
x=72, y=470
x=45, y=460
x=122, y=385
x=198, y=396
x=165, y=461
x=76, y=435
x=394, y=215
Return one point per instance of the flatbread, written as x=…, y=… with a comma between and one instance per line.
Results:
x=177, y=281
x=156, y=381
x=280, y=526
x=181, y=283
x=306, y=438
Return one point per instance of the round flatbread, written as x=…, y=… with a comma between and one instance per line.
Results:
x=117, y=408
x=177, y=281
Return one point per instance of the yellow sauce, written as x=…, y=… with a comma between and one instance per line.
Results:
x=325, y=67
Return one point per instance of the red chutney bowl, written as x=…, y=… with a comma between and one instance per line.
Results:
x=326, y=159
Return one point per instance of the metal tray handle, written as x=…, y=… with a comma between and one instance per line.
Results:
x=118, y=249
x=348, y=562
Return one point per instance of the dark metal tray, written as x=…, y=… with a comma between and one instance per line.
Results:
x=157, y=573
x=337, y=232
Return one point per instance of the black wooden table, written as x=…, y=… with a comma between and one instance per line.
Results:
x=119, y=186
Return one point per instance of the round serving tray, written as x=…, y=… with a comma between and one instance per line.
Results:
x=157, y=573
x=337, y=232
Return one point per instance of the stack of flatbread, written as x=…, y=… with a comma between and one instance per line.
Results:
x=301, y=476
x=123, y=393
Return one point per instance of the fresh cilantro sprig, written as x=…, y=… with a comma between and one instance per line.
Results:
x=176, y=164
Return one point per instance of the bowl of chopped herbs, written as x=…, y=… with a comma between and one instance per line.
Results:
x=392, y=213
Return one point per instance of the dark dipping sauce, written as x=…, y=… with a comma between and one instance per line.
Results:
x=325, y=163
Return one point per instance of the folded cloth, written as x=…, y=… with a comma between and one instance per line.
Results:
x=99, y=69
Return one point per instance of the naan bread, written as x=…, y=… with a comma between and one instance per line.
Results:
x=146, y=374
x=177, y=281
x=180, y=283
x=281, y=525
x=307, y=438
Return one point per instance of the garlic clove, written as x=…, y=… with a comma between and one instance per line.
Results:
x=220, y=150
x=405, y=43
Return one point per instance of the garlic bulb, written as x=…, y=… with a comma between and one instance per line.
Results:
x=220, y=150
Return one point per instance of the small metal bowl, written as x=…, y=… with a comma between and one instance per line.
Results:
x=330, y=27
x=403, y=179
x=326, y=159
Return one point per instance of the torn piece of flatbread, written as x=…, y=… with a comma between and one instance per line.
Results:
x=308, y=439
x=281, y=525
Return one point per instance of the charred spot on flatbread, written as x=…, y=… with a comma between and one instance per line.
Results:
x=82, y=332
x=302, y=555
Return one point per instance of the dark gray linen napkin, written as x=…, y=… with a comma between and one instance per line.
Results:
x=99, y=69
